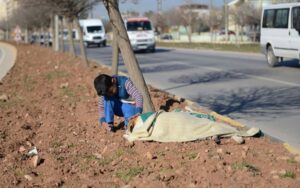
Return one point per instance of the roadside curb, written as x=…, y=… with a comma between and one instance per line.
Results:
x=8, y=60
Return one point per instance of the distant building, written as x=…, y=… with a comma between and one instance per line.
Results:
x=198, y=9
x=6, y=8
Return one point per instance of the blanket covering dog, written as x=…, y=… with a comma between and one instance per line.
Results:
x=180, y=126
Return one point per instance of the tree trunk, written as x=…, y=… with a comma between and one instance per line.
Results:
x=189, y=33
x=82, y=48
x=52, y=30
x=62, y=43
x=70, y=36
x=129, y=58
x=56, y=35
x=115, y=54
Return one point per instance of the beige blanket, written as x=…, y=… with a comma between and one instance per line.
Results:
x=180, y=127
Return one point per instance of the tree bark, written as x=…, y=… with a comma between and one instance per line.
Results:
x=129, y=58
x=70, y=36
x=82, y=48
x=62, y=43
x=115, y=54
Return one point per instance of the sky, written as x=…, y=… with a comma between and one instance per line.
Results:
x=146, y=5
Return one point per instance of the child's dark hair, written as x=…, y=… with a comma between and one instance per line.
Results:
x=102, y=83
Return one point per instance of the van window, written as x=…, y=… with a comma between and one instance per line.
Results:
x=276, y=18
x=94, y=29
x=296, y=16
x=282, y=18
x=138, y=26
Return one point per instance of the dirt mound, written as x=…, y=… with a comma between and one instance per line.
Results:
x=50, y=104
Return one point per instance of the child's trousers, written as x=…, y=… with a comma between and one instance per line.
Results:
x=113, y=106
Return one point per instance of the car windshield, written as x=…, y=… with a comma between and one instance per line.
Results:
x=94, y=29
x=138, y=26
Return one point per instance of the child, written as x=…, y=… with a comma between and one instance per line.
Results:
x=118, y=96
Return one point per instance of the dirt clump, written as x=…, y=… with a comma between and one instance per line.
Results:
x=50, y=105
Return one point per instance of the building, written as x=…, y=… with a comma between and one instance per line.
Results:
x=197, y=9
x=6, y=8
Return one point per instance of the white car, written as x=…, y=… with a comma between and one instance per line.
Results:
x=141, y=34
x=93, y=32
x=280, y=32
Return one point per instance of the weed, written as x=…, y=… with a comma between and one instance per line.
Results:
x=55, y=75
x=60, y=158
x=192, y=155
x=245, y=165
x=57, y=144
x=12, y=102
x=3, y=135
x=29, y=83
x=288, y=174
x=291, y=161
x=68, y=92
x=71, y=145
x=127, y=175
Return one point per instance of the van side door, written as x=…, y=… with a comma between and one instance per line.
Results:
x=294, y=34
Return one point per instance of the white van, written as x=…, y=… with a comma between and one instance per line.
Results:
x=141, y=34
x=280, y=32
x=93, y=32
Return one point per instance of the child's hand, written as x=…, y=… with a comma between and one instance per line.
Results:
x=107, y=126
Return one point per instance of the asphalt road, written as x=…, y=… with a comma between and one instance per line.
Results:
x=237, y=85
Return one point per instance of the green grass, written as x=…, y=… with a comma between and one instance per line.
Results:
x=128, y=174
x=192, y=155
x=12, y=102
x=288, y=174
x=291, y=161
x=67, y=92
x=55, y=75
x=247, y=166
x=252, y=48
x=29, y=83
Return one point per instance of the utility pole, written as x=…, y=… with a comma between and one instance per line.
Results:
x=226, y=19
x=159, y=6
x=210, y=21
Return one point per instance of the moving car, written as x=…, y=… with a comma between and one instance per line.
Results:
x=141, y=34
x=280, y=32
x=93, y=32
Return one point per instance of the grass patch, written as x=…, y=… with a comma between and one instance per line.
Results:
x=29, y=83
x=291, y=161
x=55, y=75
x=127, y=175
x=288, y=174
x=192, y=155
x=247, y=166
x=12, y=102
x=67, y=92
x=253, y=48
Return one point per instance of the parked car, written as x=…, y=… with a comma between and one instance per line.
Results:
x=166, y=36
x=229, y=32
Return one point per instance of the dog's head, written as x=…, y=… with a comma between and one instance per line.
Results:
x=131, y=123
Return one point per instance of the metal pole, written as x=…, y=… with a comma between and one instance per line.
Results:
x=226, y=19
x=56, y=35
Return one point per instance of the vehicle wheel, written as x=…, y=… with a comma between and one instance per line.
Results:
x=152, y=50
x=86, y=44
x=271, y=58
x=104, y=43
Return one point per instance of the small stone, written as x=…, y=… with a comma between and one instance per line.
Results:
x=238, y=139
x=3, y=97
x=216, y=139
x=244, y=154
x=98, y=155
x=29, y=178
x=275, y=177
x=246, y=148
x=64, y=85
x=206, y=151
x=149, y=155
x=220, y=150
x=282, y=172
x=22, y=149
x=284, y=158
x=273, y=172
x=35, y=160
x=28, y=144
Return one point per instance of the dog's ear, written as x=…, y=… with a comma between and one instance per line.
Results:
x=131, y=123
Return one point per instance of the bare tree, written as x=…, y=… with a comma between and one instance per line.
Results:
x=112, y=7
